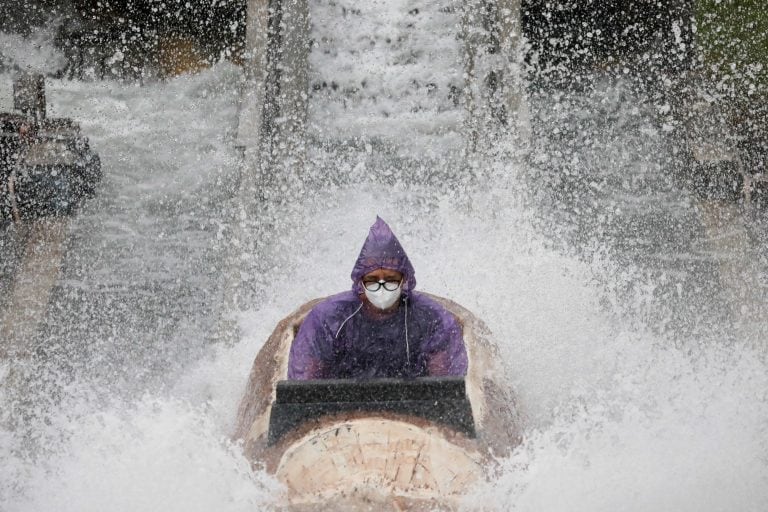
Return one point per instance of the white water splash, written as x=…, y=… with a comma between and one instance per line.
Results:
x=616, y=418
x=33, y=53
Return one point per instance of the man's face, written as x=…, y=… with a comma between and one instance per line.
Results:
x=383, y=297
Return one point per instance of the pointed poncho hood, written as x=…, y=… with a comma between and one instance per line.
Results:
x=382, y=249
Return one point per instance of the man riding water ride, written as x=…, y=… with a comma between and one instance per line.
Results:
x=382, y=327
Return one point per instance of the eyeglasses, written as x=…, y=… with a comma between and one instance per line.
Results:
x=374, y=286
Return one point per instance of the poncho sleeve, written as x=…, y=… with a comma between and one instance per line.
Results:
x=444, y=351
x=311, y=351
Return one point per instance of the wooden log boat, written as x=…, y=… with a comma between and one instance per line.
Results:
x=386, y=459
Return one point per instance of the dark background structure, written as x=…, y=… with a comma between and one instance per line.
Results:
x=133, y=38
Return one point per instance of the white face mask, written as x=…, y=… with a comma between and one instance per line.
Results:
x=383, y=299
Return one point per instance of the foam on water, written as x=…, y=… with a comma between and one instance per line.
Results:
x=395, y=79
x=151, y=454
x=662, y=433
x=617, y=417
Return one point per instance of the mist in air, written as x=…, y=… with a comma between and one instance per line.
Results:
x=632, y=322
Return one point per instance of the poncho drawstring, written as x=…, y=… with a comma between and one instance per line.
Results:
x=407, y=346
x=345, y=320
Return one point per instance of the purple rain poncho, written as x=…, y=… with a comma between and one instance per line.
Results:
x=340, y=340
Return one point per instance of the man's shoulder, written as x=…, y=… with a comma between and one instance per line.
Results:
x=426, y=305
x=338, y=305
x=422, y=300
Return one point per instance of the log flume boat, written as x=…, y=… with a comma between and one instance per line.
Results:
x=383, y=444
